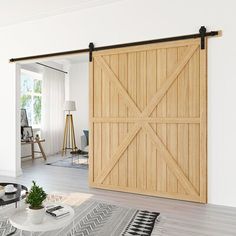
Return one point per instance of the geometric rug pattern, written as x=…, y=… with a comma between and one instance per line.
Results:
x=96, y=218
x=5, y=227
x=142, y=223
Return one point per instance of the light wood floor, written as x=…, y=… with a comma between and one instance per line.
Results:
x=179, y=218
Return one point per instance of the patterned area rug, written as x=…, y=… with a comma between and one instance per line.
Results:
x=95, y=218
x=71, y=162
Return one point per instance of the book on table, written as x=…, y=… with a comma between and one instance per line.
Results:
x=57, y=211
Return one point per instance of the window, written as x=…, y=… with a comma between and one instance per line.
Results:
x=31, y=96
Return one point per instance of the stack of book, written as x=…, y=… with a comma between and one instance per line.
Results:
x=57, y=211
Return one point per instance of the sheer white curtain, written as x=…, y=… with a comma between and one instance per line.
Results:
x=53, y=98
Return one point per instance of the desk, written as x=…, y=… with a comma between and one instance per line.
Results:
x=38, y=141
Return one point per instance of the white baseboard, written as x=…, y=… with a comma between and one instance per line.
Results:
x=9, y=173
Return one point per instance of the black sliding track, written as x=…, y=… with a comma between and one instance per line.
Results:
x=202, y=34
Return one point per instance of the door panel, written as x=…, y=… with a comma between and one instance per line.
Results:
x=148, y=120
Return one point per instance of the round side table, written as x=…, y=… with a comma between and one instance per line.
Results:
x=21, y=221
x=15, y=197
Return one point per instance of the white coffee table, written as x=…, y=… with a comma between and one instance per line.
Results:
x=21, y=221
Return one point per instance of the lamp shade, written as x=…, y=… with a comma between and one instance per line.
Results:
x=69, y=106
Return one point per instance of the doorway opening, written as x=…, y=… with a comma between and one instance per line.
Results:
x=49, y=91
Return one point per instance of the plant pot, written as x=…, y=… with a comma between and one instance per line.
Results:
x=36, y=215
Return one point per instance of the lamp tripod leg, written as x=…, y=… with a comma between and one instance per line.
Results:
x=73, y=135
x=65, y=136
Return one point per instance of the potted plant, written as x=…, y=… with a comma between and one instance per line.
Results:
x=35, y=199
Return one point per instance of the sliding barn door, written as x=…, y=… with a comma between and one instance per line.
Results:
x=148, y=120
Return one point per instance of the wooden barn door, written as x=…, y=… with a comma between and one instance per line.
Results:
x=148, y=120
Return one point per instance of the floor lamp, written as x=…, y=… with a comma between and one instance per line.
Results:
x=69, y=133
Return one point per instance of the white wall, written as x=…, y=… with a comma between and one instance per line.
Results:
x=127, y=21
x=79, y=92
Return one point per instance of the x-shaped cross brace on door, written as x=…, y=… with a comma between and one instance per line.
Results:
x=144, y=124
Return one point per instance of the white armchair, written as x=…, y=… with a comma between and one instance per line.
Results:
x=85, y=141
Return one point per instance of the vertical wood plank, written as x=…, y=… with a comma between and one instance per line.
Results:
x=123, y=127
x=151, y=90
x=141, y=137
x=194, y=155
x=161, y=112
x=114, y=129
x=194, y=85
x=132, y=149
x=91, y=133
x=105, y=126
x=97, y=113
x=172, y=111
x=203, y=124
x=183, y=95
x=194, y=105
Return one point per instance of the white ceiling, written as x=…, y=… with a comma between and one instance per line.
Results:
x=15, y=11
x=69, y=60
x=62, y=63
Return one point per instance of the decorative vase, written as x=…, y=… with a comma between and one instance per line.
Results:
x=36, y=215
